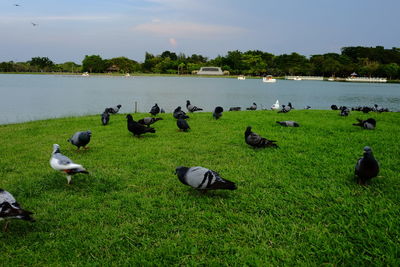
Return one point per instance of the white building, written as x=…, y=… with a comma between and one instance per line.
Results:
x=210, y=71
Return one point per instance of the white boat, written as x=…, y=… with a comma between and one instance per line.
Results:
x=297, y=78
x=241, y=77
x=85, y=73
x=331, y=79
x=269, y=79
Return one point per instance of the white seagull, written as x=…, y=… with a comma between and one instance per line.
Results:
x=275, y=106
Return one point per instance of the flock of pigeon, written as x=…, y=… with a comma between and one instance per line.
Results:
x=198, y=177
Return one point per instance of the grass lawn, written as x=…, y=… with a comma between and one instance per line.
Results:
x=296, y=205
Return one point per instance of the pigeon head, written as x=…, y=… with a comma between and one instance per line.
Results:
x=129, y=117
x=119, y=106
x=56, y=148
x=367, y=150
x=187, y=102
x=248, y=131
x=181, y=171
x=89, y=132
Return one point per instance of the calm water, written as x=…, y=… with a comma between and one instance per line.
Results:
x=32, y=97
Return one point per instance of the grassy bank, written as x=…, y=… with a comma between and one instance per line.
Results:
x=296, y=205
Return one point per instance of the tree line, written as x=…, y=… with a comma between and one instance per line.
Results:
x=365, y=61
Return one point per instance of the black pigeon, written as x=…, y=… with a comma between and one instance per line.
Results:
x=235, y=109
x=257, y=141
x=368, y=124
x=162, y=110
x=136, y=128
x=285, y=109
x=180, y=114
x=148, y=120
x=192, y=108
x=334, y=107
x=252, y=107
x=114, y=110
x=367, y=167
x=218, y=112
x=105, y=118
x=10, y=209
x=80, y=139
x=203, y=179
x=154, y=110
x=182, y=125
x=344, y=111
x=288, y=123
x=290, y=105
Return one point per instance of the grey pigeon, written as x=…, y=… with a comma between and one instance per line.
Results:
x=114, y=110
x=148, y=120
x=180, y=114
x=203, y=179
x=288, y=123
x=344, y=111
x=367, y=167
x=368, y=124
x=182, y=125
x=105, y=118
x=192, y=108
x=80, y=139
x=62, y=163
x=256, y=140
x=252, y=107
x=285, y=109
x=307, y=107
x=154, y=110
x=218, y=112
x=10, y=209
x=235, y=109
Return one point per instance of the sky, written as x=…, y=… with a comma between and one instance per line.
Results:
x=69, y=30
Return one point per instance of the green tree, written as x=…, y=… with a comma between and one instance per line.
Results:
x=93, y=63
x=41, y=63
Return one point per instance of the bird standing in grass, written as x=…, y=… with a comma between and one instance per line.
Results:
x=252, y=107
x=10, y=209
x=203, y=179
x=288, y=123
x=155, y=110
x=192, y=108
x=114, y=110
x=136, y=128
x=180, y=114
x=256, y=140
x=368, y=124
x=285, y=109
x=275, y=106
x=59, y=162
x=182, y=125
x=218, y=112
x=367, y=167
x=80, y=139
x=148, y=120
x=105, y=117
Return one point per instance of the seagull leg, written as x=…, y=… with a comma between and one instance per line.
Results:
x=69, y=179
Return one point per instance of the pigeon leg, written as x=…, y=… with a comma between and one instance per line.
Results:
x=5, y=228
x=69, y=179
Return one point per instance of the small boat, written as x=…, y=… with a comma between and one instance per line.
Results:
x=297, y=78
x=269, y=79
x=331, y=79
x=85, y=73
x=241, y=77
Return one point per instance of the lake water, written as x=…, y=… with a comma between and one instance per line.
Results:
x=33, y=97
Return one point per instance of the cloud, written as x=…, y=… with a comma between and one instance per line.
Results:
x=188, y=29
x=173, y=42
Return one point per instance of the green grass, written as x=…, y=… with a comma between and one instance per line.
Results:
x=296, y=205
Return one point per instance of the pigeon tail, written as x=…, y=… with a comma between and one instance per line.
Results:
x=223, y=184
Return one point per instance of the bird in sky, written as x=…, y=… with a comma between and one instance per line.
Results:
x=34, y=24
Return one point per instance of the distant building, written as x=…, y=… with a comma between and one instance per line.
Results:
x=210, y=71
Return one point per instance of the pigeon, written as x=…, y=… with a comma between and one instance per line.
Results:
x=285, y=109
x=203, y=179
x=344, y=111
x=368, y=124
x=252, y=107
x=275, y=106
x=148, y=120
x=288, y=123
x=162, y=110
x=235, y=109
x=180, y=114
x=367, y=167
x=257, y=141
x=182, y=124
x=114, y=110
x=154, y=110
x=334, y=107
x=290, y=105
x=80, y=139
x=59, y=162
x=307, y=107
x=105, y=118
x=192, y=108
x=136, y=128
x=218, y=112
x=10, y=209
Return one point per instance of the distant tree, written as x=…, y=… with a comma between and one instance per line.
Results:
x=169, y=54
x=69, y=67
x=41, y=63
x=7, y=66
x=124, y=64
x=390, y=71
x=93, y=63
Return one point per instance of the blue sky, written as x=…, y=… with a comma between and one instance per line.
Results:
x=69, y=30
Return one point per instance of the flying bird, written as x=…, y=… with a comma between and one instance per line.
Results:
x=154, y=110
x=218, y=112
x=367, y=167
x=34, y=24
x=17, y=5
x=59, y=162
x=10, y=209
x=252, y=107
x=182, y=125
x=80, y=139
x=148, y=120
x=192, y=108
x=180, y=114
x=105, y=117
x=256, y=140
x=203, y=179
x=368, y=124
x=114, y=110
x=288, y=123
x=136, y=128
x=275, y=106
